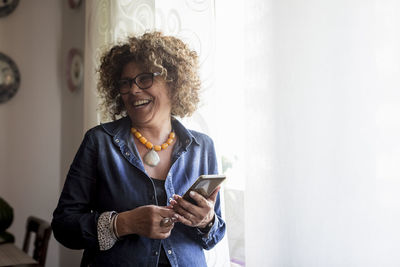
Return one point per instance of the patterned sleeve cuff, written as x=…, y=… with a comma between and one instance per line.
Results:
x=105, y=232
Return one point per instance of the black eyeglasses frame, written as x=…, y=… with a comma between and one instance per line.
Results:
x=132, y=81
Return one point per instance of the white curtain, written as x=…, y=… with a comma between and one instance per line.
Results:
x=108, y=22
x=322, y=153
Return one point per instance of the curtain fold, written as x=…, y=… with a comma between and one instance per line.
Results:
x=108, y=22
x=97, y=34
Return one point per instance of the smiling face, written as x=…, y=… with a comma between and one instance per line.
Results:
x=148, y=107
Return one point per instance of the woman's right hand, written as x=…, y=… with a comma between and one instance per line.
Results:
x=146, y=221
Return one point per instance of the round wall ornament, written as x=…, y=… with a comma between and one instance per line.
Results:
x=7, y=6
x=74, y=69
x=74, y=3
x=9, y=78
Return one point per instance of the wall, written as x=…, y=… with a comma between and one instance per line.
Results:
x=2, y=146
x=73, y=35
x=41, y=125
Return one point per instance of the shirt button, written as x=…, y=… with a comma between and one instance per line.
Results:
x=117, y=140
x=169, y=251
x=155, y=253
x=127, y=154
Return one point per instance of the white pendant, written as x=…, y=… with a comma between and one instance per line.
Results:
x=151, y=158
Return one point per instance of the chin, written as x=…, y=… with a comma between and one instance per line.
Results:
x=141, y=120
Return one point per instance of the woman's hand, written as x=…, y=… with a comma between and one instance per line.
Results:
x=199, y=215
x=150, y=221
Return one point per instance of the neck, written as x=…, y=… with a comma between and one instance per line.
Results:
x=157, y=132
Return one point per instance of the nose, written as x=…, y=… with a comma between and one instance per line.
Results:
x=135, y=89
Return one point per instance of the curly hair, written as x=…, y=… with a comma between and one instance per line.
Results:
x=154, y=52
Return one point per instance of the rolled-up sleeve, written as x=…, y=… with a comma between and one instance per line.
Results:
x=217, y=231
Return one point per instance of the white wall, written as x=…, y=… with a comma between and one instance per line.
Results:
x=37, y=132
x=32, y=117
x=73, y=35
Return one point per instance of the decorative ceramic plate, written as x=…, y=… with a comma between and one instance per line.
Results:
x=74, y=3
x=7, y=6
x=9, y=78
x=74, y=69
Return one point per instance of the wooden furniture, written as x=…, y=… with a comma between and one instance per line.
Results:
x=42, y=229
x=10, y=255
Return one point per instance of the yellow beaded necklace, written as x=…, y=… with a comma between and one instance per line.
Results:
x=151, y=158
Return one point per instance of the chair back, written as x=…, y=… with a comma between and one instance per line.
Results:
x=42, y=230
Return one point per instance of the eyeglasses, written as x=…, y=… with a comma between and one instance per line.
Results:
x=142, y=80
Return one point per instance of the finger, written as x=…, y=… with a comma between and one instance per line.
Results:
x=185, y=221
x=187, y=217
x=162, y=235
x=166, y=212
x=166, y=222
x=182, y=212
x=172, y=203
x=214, y=194
x=200, y=200
x=166, y=229
x=187, y=205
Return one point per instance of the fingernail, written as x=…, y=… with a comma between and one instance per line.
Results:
x=191, y=193
x=170, y=199
x=175, y=196
x=175, y=216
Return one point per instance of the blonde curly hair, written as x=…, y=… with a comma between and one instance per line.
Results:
x=154, y=52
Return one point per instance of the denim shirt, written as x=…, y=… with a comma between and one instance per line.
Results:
x=108, y=175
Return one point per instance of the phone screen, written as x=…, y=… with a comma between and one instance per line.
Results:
x=204, y=185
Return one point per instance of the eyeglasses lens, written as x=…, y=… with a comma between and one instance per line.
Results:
x=143, y=81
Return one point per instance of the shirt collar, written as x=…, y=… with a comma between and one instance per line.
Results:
x=117, y=127
x=121, y=128
x=184, y=134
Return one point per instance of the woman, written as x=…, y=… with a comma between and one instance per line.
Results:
x=121, y=201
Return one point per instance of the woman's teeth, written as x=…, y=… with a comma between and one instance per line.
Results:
x=141, y=102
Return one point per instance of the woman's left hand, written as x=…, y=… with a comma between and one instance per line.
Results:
x=199, y=215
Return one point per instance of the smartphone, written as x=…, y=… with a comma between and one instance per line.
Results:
x=204, y=185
